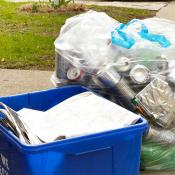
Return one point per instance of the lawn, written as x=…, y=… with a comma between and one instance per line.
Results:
x=26, y=39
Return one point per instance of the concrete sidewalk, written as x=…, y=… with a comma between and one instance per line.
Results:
x=168, y=11
x=20, y=81
x=137, y=5
x=157, y=173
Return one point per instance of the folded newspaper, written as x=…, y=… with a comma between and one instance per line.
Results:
x=82, y=114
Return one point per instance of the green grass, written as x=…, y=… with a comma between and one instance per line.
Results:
x=26, y=39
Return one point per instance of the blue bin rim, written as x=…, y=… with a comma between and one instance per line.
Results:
x=141, y=125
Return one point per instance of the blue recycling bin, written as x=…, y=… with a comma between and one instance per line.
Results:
x=115, y=152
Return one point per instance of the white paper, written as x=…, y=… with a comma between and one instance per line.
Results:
x=79, y=115
x=32, y=118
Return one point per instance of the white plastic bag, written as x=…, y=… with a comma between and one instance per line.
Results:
x=85, y=40
x=138, y=41
x=130, y=59
x=167, y=28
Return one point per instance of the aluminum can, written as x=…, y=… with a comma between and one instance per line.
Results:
x=61, y=66
x=123, y=64
x=111, y=79
x=140, y=74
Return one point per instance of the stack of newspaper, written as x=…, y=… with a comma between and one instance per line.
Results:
x=82, y=114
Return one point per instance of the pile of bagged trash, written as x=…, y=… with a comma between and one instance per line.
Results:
x=130, y=64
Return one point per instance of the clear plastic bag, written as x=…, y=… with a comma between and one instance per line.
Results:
x=85, y=42
x=131, y=64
